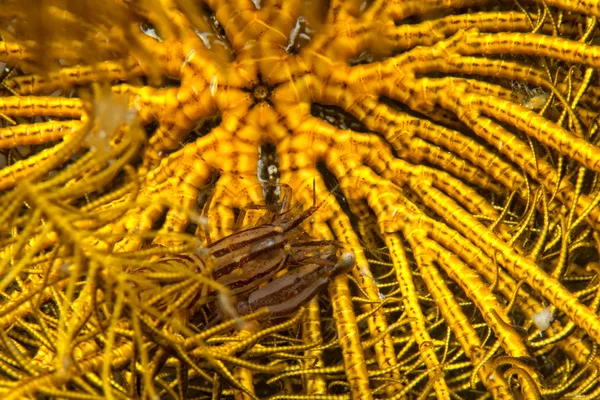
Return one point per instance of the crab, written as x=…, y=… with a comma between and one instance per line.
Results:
x=247, y=258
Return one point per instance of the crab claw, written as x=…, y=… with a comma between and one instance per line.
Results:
x=284, y=295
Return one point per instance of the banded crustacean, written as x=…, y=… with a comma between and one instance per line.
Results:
x=249, y=257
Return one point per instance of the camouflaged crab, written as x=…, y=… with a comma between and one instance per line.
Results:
x=240, y=262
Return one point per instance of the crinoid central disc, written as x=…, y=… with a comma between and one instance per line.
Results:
x=260, y=92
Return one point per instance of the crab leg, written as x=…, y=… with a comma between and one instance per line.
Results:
x=286, y=294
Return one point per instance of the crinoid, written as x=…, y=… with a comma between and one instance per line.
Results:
x=463, y=137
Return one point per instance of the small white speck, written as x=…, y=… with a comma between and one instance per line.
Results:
x=272, y=170
x=538, y=97
x=294, y=33
x=543, y=319
x=151, y=32
x=204, y=37
x=213, y=85
x=363, y=5
x=202, y=220
x=189, y=56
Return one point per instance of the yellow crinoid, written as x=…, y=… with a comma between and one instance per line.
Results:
x=463, y=137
